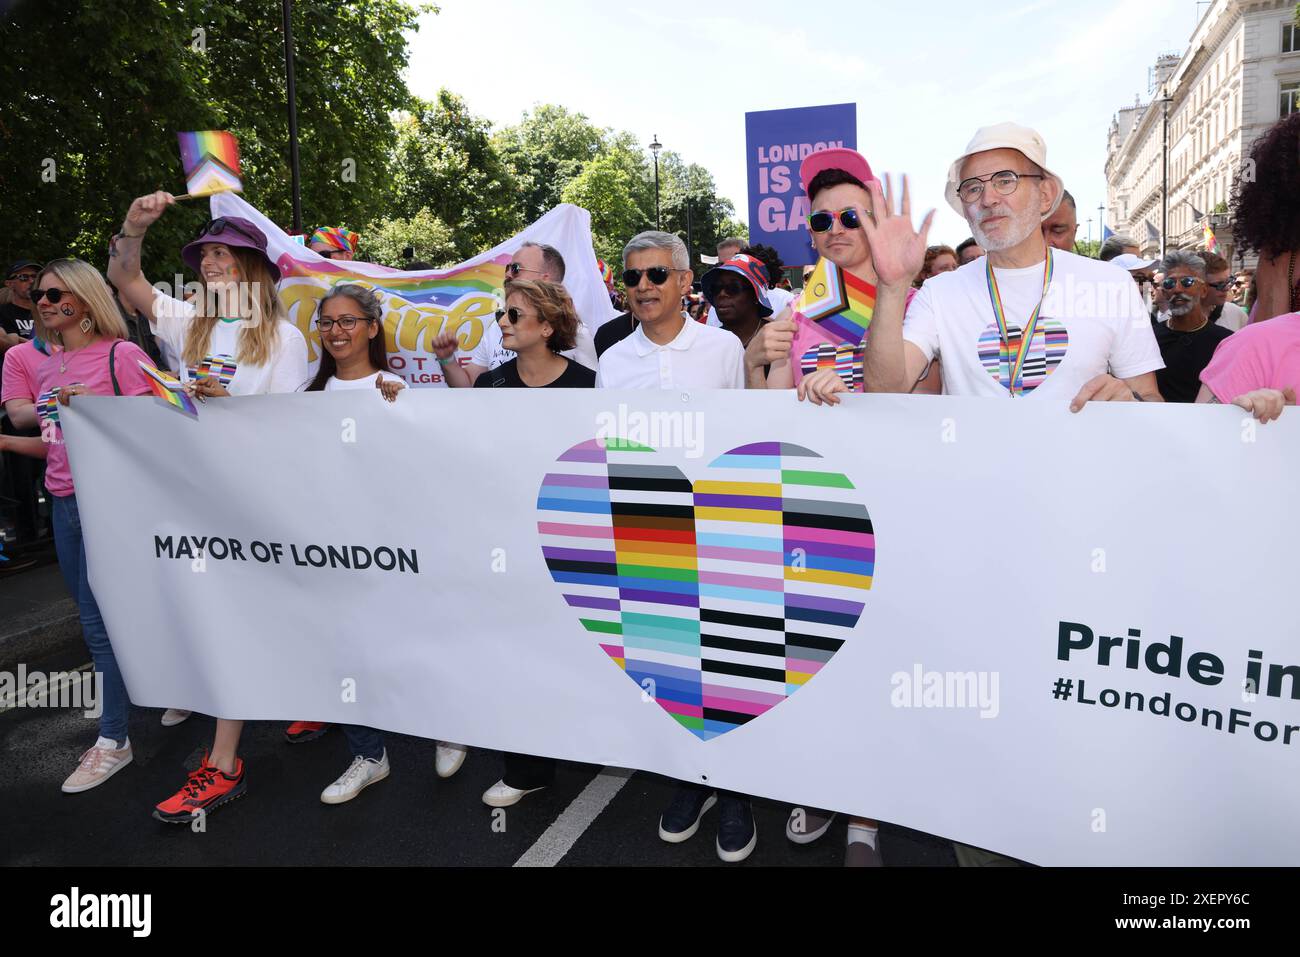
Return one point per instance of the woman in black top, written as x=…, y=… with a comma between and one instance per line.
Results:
x=537, y=324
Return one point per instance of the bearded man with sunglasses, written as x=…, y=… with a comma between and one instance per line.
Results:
x=1187, y=338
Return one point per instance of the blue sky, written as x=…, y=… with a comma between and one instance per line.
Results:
x=924, y=75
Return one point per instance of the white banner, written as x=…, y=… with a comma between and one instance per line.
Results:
x=1067, y=638
x=418, y=305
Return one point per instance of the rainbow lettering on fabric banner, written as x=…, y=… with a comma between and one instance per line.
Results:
x=169, y=388
x=221, y=368
x=840, y=303
x=211, y=162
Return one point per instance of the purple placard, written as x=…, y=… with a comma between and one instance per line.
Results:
x=776, y=141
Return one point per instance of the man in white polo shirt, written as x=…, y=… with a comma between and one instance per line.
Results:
x=667, y=350
x=1026, y=320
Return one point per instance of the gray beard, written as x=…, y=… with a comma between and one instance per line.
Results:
x=1022, y=227
x=1180, y=307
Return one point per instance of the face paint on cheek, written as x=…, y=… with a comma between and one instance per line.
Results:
x=66, y=310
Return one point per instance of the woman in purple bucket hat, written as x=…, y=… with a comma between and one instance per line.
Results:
x=234, y=339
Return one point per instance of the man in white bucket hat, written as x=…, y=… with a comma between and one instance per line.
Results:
x=1023, y=321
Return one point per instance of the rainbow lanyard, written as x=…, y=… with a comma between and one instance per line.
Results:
x=1015, y=382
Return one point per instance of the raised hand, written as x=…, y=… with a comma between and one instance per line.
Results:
x=444, y=347
x=146, y=210
x=897, y=251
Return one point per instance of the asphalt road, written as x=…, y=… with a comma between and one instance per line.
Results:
x=589, y=817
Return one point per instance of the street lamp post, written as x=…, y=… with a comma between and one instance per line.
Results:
x=655, y=147
x=293, y=118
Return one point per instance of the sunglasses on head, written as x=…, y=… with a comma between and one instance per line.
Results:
x=215, y=227
x=822, y=220
x=657, y=275
x=514, y=269
x=54, y=295
x=1187, y=282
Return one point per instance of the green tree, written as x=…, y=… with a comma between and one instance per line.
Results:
x=445, y=161
x=549, y=147
x=77, y=143
x=1088, y=247
x=608, y=190
x=429, y=238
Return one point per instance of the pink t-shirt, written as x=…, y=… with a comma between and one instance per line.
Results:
x=89, y=367
x=20, y=365
x=1263, y=355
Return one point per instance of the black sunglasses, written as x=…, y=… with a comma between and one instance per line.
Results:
x=1187, y=282
x=215, y=227
x=55, y=295
x=1221, y=286
x=822, y=220
x=514, y=269
x=657, y=274
x=514, y=314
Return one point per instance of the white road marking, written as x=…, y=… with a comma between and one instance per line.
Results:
x=40, y=695
x=559, y=838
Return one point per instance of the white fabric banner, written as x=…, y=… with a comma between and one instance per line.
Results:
x=418, y=305
x=1067, y=638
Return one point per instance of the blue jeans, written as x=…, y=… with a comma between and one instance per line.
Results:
x=72, y=562
x=364, y=742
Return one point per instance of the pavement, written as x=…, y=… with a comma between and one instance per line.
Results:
x=591, y=816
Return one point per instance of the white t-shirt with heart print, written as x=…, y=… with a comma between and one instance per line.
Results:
x=1092, y=322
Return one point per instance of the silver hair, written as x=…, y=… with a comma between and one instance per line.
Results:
x=551, y=257
x=363, y=297
x=654, y=239
x=1115, y=245
x=1182, y=258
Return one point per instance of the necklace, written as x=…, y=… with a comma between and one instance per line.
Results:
x=1203, y=324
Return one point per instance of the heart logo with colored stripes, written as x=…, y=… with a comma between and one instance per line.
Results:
x=1045, y=353
x=721, y=597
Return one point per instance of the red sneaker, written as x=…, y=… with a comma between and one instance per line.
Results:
x=207, y=789
x=301, y=731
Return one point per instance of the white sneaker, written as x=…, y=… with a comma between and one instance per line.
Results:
x=503, y=795
x=174, y=716
x=361, y=773
x=98, y=764
x=448, y=758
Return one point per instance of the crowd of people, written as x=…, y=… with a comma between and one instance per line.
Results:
x=977, y=319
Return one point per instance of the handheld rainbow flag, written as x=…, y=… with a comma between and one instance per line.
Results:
x=170, y=389
x=221, y=368
x=47, y=405
x=211, y=162
x=839, y=302
x=1207, y=234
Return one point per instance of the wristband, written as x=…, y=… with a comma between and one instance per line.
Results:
x=450, y=360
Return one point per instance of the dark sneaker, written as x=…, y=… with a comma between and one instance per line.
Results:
x=682, y=819
x=207, y=789
x=807, y=824
x=301, y=731
x=737, y=836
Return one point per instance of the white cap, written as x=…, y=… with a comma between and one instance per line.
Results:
x=1010, y=136
x=1130, y=262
